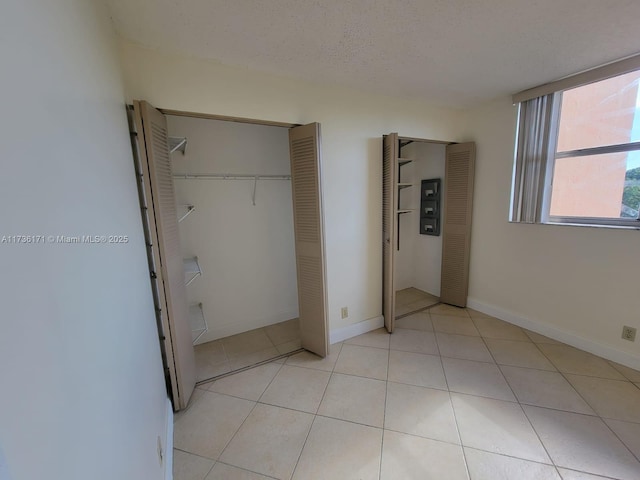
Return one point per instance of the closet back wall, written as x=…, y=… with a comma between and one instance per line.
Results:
x=418, y=262
x=428, y=259
x=246, y=252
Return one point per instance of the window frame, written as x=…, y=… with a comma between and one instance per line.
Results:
x=549, y=134
x=553, y=155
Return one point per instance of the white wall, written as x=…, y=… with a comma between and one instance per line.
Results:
x=246, y=252
x=353, y=123
x=419, y=259
x=428, y=248
x=83, y=394
x=578, y=283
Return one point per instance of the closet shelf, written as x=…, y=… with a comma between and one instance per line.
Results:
x=229, y=176
x=191, y=270
x=404, y=185
x=197, y=322
x=404, y=161
x=177, y=144
x=405, y=210
x=184, y=211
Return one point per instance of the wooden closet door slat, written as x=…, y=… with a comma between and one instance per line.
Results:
x=304, y=144
x=456, y=225
x=389, y=226
x=171, y=273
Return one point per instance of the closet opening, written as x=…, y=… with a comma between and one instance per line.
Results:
x=232, y=210
x=239, y=241
x=419, y=243
x=424, y=183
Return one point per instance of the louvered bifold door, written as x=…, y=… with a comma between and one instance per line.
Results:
x=389, y=226
x=456, y=225
x=304, y=144
x=156, y=163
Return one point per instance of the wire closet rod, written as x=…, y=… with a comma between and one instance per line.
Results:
x=234, y=176
x=230, y=176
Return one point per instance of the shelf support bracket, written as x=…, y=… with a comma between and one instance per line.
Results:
x=177, y=144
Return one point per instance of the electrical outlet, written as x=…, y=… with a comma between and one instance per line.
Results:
x=629, y=333
x=345, y=312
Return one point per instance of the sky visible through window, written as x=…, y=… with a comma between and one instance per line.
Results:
x=633, y=159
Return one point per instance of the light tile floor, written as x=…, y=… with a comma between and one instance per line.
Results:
x=452, y=394
x=245, y=349
x=411, y=299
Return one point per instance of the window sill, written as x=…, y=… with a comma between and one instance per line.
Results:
x=595, y=225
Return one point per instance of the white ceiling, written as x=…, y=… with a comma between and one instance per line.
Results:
x=455, y=53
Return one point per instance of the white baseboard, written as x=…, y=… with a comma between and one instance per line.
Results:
x=558, y=334
x=344, y=333
x=168, y=441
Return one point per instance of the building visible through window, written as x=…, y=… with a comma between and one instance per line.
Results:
x=578, y=149
x=588, y=181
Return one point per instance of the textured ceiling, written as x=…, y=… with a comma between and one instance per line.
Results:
x=455, y=53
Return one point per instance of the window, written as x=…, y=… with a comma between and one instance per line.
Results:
x=578, y=154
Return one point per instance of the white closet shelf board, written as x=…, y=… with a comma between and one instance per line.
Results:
x=404, y=185
x=229, y=176
x=404, y=161
x=425, y=140
x=197, y=322
x=191, y=269
x=406, y=210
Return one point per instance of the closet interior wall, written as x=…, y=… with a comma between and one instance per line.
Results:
x=246, y=252
x=418, y=261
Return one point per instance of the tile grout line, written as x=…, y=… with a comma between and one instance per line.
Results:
x=209, y=471
x=455, y=417
x=610, y=362
x=435, y=339
x=602, y=419
x=624, y=378
x=384, y=410
x=597, y=415
x=549, y=464
x=213, y=465
x=245, y=419
x=553, y=462
x=244, y=470
x=387, y=383
x=546, y=451
x=514, y=393
x=562, y=374
x=194, y=454
x=315, y=416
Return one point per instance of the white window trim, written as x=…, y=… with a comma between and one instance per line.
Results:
x=613, y=69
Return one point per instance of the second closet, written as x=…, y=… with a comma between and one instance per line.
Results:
x=418, y=254
x=426, y=224
x=234, y=196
